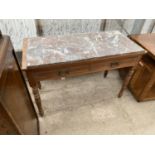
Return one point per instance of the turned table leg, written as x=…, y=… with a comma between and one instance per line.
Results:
x=39, y=85
x=126, y=81
x=37, y=99
x=105, y=73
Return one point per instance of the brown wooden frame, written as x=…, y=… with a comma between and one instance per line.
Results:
x=144, y=91
x=14, y=95
x=35, y=74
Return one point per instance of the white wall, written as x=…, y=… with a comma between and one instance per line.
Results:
x=66, y=26
x=21, y=28
x=18, y=29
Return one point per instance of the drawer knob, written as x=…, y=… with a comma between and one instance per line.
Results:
x=63, y=78
x=114, y=64
x=63, y=73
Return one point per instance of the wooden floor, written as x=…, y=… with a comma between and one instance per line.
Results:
x=89, y=105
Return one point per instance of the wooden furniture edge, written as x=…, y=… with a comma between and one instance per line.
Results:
x=13, y=121
x=138, y=96
x=24, y=49
x=0, y=34
x=132, y=37
x=84, y=60
x=22, y=76
x=4, y=42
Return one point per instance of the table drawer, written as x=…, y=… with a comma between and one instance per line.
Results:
x=76, y=69
x=63, y=72
x=113, y=63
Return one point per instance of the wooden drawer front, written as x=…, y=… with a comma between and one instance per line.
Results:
x=63, y=72
x=75, y=69
x=114, y=63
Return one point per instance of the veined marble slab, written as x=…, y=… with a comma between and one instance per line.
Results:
x=67, y=48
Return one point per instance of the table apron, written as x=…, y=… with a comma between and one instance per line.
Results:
x=71, y=70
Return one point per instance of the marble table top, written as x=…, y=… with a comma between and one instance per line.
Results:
x=74, y=47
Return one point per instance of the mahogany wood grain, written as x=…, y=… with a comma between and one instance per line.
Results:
x=6, y=124
x=15, y=101
x=147, y=41
x=142, y=84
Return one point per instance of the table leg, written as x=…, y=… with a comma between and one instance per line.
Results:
x=37, y=99
x=126, y=81
x=39, y=85
x=105, y=73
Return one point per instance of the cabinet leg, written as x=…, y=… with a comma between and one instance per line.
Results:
x=126, y=81
x=38, y=100
x=105, y=73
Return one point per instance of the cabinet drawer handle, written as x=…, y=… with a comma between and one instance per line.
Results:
x=114, y=64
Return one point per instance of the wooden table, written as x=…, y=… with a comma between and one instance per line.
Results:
x=65, y=56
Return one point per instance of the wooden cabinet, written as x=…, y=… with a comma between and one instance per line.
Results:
x=142, y=84
x=17, y=114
